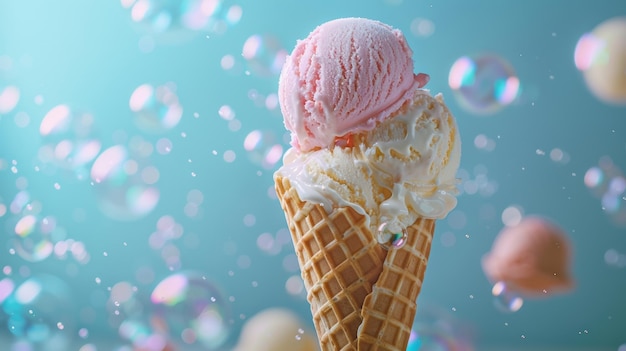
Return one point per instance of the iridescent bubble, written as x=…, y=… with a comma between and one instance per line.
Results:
x=601, y=56
x=156, y=109
x=161, y=16
x=33, y=237
x=191, y=309
x=391, y=238
x=433, y=330
x=224, y=16
x=608, y=183
x=6, y=288
x=483, y=84
x=263, y=148
x=9, y=97
x=144, y=338
x=264, y=54
x=122, y=191
x=68, y=140
x=41, y=311
x=506, y=299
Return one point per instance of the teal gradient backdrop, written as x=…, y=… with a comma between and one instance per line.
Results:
x=91, y=56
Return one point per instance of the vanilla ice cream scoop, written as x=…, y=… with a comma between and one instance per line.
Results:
x=276, y=329
x=402, y=170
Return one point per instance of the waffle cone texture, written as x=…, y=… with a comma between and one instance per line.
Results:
x=362, y=296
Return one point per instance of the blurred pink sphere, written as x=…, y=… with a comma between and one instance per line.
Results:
x=532, y=258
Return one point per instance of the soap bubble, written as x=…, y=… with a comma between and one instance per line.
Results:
x=263, y=148
x=422, y=27
x=601, y=56
x=68, y=140
x=121, y=185
x=264, y=54
x=33, y=237
x=434, y=330
x=6, y=288
x=173, y=16
x=483, y=84
x=156, y=109
x=607, y=182
x=9, y=97
x=506, y=299
x=391, y=239
x=144, y=338
x=40, y=311
x=191, y=309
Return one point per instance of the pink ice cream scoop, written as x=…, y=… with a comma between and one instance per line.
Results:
x=348, y=75
x=532, y=258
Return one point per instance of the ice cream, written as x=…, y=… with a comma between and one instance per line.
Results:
x=531, y=258
x=372, y=166
x=329, y=90
x=400, y=171
x=276, y=329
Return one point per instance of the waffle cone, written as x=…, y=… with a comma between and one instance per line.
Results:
x=362, y=297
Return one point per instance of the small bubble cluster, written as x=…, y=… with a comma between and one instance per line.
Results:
x=191, y=310
x=264, y=54
x=263, y=148
x=156, y=109
x=167, y=16
x=124, y=183
x=607, y=182
x=39, y=311
x=69, y=141
x=477, y=182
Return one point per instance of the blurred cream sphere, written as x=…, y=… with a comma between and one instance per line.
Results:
x=601, y=56
x=276, y=329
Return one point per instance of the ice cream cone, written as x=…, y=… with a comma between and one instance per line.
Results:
x=388, y=312
x=362, y=297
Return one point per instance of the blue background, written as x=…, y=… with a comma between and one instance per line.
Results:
x=86, y=54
